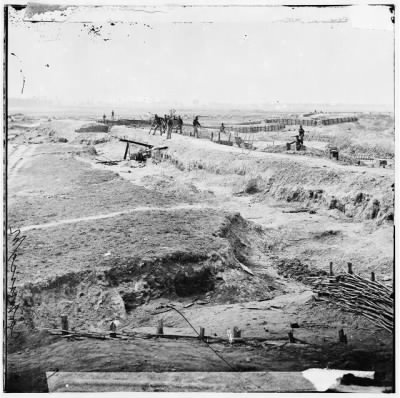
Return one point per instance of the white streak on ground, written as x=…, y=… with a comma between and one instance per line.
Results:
x=109, y=215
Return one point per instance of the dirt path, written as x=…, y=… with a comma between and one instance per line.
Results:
x=109, y=215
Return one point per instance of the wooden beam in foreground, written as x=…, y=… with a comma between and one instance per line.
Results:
x=311, y=380
x=136, y=143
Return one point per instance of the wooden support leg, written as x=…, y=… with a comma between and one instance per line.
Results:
x=126, y=150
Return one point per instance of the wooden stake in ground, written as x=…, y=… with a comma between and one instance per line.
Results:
x=237, y=333
x=342, y=336
x=350, y=268
x=201, y=335
x=160, y=329
x=64, y=324
x=113, y=329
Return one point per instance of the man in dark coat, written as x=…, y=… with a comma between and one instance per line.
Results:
x=196, y=125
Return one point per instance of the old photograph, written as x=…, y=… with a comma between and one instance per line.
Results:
x=198, y=197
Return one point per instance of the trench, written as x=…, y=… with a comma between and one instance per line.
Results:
x=299, y=186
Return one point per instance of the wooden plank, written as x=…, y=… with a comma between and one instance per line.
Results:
x=310, y=380
x=178, y=382
x=136, y=143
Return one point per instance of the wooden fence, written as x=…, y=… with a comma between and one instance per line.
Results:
x=338, y=120
x=312, y=122
x=257, y=129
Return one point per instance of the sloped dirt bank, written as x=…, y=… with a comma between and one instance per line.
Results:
x=112, y=285
x=360, y=193
x=357, y=194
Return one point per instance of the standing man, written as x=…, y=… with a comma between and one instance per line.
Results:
x=112, y=115
x=301, y=134
x=196, y=125
x=156, y=124
x=170, y=125
x=104, y=118
x=221, y=130
x=165, y=122
x=180, y=124
x=298, y=143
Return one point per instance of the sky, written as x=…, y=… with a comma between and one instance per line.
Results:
x=202, y=56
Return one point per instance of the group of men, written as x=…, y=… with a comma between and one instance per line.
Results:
x=169, y=123
x=105, y=117
x=166, y=124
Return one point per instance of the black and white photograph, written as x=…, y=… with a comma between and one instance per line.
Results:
x=198, y=197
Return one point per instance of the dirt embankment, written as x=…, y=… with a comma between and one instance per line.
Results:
x=57, y=131
x=360, y=193
x=355, y=192
x=183, y=260
x=96, y=266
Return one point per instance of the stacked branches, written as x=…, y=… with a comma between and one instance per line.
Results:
x=364, y=297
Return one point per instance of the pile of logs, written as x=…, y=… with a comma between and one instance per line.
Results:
x=364, y=297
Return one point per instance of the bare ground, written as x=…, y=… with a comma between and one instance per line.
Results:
x=120, y=242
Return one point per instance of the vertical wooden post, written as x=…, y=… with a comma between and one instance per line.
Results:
x=160, y=329
x=201, y=336
x=212, y=135
x=237, y=333
x=113, y=329
x=350, y=268
x=64, y=324
x=219, y=137
x=342, y=336
x=373, y=276
x=331, y=268
x=291, y=337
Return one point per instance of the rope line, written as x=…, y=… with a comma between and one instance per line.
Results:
x=208, y=345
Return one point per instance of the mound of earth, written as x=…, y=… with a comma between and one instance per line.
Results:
x=93, y=128
x=191, y=254
x=172, y=185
